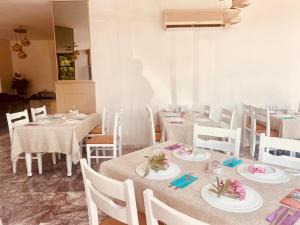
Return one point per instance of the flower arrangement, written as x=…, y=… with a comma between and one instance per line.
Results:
x=157, y=162
x=19, y=83
x=256, y=169
x=230, y=188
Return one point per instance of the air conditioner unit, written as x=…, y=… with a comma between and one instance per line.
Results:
x=196, y=4
x=200, y=18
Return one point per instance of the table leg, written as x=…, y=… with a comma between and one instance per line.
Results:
x=28, y=159
x=69, y=165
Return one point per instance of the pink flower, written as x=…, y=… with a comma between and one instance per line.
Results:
x=256, y=169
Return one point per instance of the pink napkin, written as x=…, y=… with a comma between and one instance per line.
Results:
x=174, y=147
x=289, y=220
x=256, y=169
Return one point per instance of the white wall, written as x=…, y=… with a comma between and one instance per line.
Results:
x=134, y=61
x=39, y=66
x=6, y=69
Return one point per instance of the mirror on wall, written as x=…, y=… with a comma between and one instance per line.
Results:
x=72, y=38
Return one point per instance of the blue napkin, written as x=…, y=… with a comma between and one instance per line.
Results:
x=232, y=162
x=184, y=181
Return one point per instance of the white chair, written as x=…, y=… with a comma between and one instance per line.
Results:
x=260, y=123
x=155, y=132
x=103, y=129
x=38, y=113
x=103, y=192
x=227, y=118
x=19, y=119
x=267, y=143
x=207, y=111
x=227, y=140
x=246, y=123
x=106, y=143
x=156, y=211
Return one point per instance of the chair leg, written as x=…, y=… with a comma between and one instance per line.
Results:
x=54, y=158
x=69, y=165
x=88, y=154
x=15, y=166
x=253, y=145
x=28, y=164
x=97, y=155
x=59, y=156
x=40, y=162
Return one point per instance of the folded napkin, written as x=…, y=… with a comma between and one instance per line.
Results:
x=174, y=147
x=232, y=162
x=289, y=220
x=184, y=181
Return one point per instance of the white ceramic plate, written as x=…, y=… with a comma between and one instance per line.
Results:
x=171, y=114
x=293, y=172
x=171, y=172
x=80, y=116
x=252, y=202
x=197, y=155
x=273, y=175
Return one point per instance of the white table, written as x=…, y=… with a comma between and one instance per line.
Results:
x=286, y=127
x=53, y=136
x=182, y=132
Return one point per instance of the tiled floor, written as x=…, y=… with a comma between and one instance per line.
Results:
x=51, y=198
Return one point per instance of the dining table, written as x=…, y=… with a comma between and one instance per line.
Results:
x=59, y=133
x=182, y=130
x=189, y=199
x=287, y=124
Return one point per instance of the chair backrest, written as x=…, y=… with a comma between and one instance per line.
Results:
x=104, y=121
x=268, y=143
x=151, y=124
x=158, y=211
x=207, y=111
x=246, y=114
x=260, y=116
x=38, y=113
x=227, y=140
x=227, y=118
x=103, y=193
x=117, y=127
x=16, y=119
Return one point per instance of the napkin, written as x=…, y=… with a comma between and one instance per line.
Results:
x=184, y=181
x=289, y=220
x=232, y=162
x=174, y=147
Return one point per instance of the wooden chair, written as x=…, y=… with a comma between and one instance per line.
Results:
x=246, y=123
x=260, y=123
x=155, y=132
x=157, y=211
x=19, y=119
x=267, y=143
x=227, y=140
x=207, y=112
x=227, y=118
x=103, y=193
x=38, y=113
x=106, y=143
x=103, y=129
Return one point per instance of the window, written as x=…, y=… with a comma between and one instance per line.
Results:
x=66, y=66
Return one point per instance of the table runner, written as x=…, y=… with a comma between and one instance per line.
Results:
x=189, y=200
x=181, y=132
x=57, y=136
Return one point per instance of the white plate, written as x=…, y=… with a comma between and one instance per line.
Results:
x=273, y=176
x=71, y=122
x=175, y=120
x=252, y=202
x=171, y=172
x=43, y=121
x=80, y=116
x=293, y=172
x=197, y=155
x=171, y=114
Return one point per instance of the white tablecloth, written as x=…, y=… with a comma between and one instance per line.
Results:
x=287, y=127
x=60, y=136
x=189, y=200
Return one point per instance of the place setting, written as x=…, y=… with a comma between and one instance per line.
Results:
x=190, y=153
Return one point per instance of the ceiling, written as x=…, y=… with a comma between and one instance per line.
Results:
x=34, y=15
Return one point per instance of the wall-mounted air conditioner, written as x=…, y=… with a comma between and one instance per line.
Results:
x=200, y=18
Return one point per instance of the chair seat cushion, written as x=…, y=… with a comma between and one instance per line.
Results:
x=96, y=130
x=157, y=129
x=111, y=221
x=101, y=139
x=262, y=129
x=157, y=137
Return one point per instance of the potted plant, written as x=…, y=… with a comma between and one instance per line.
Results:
x=20, y=84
